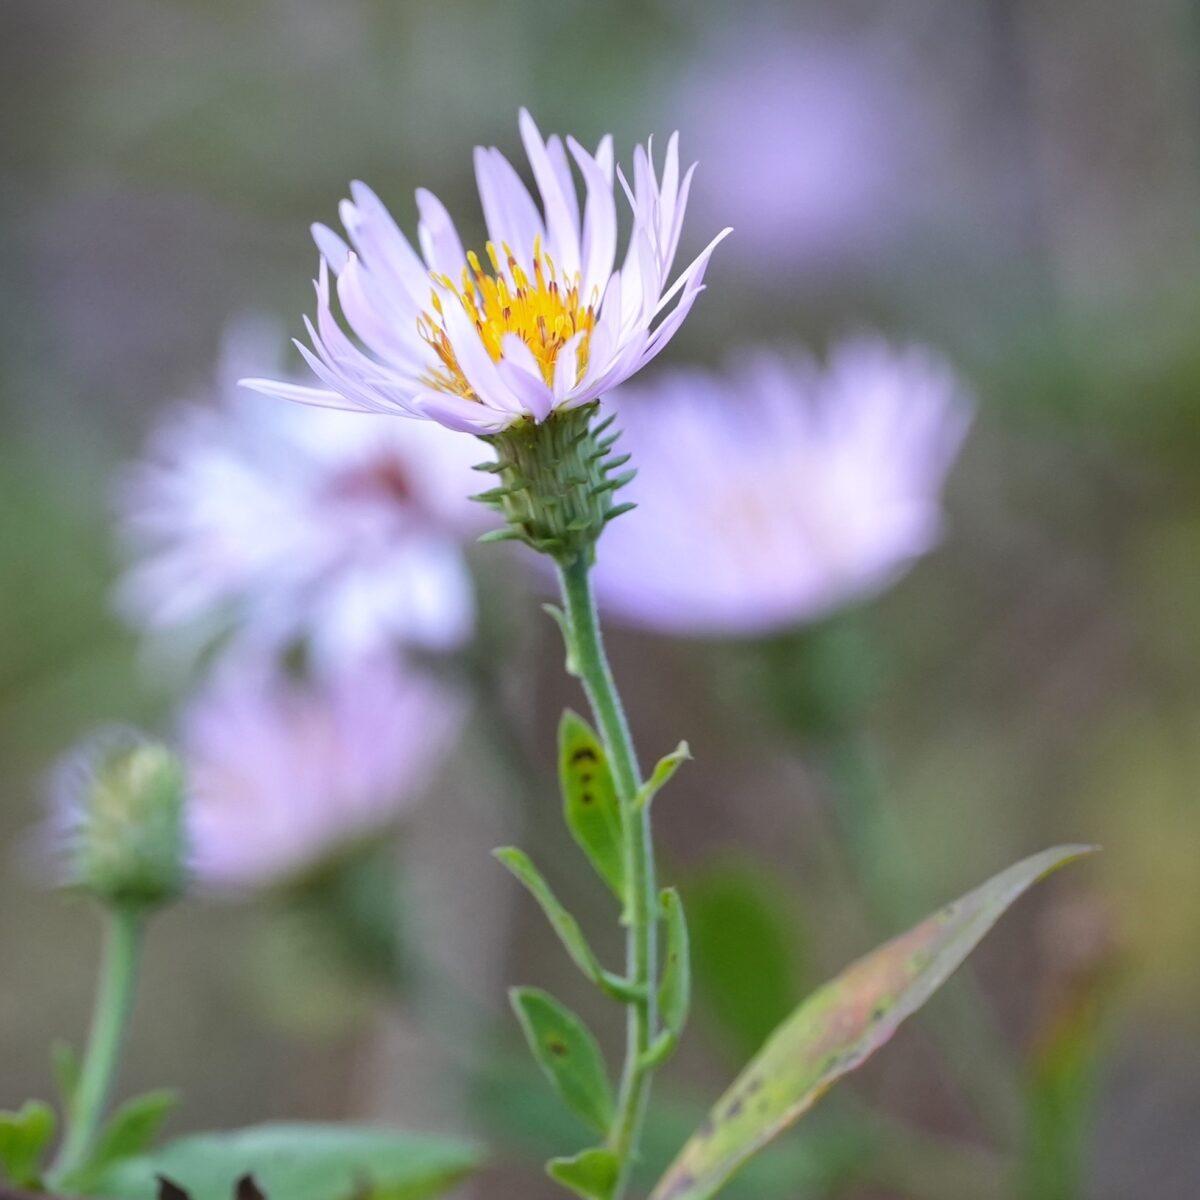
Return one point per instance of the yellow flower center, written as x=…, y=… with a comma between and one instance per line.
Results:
x=545, y=312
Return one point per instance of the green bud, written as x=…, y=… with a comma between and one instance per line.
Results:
x=556, y=482
x=121, y=800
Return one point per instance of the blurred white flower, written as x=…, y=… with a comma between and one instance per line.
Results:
x=285, y=773
x=542, y=322
x=778, y=492
x=278, y=524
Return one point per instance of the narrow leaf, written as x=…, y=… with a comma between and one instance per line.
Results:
x=837, y=1028
x=24, y=1135
x=590, y=803
x=591, y=1174
x=567, y=1053
x=564, y=924
x=664, y=769
x=675, y=990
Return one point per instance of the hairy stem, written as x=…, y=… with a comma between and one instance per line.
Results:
x=114, y=1000
x=587, y=651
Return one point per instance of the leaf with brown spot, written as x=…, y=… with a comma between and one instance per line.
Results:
x=568, y=1054
x=841, y=1025
x=590, y=804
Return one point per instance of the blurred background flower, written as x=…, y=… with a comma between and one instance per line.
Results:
x=287, y=774
x=278, y=525
x=774, y=493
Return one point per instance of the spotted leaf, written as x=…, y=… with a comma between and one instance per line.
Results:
x=567, y=1053
x=840, y=1026
x=590, y=804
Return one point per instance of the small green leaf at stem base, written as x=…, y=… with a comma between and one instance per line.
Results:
x=841, y=1025
x=130, y=1131
x=24, y=1136
x=663, y=772
x=568, y=1054
x=591, y=1174
x=675, y=990
x=565, y=925
x=590, y=804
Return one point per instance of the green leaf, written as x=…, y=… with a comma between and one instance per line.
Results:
x=590, y=804
x=591, y=1174
x=747, y=952
x=675, y=990
x=131, y=1130
x=565, y=925
x=24, y=1135
x=567, y=1053
x=559, y=617
x=299, y=1161
x=64, y=1063
x=663, y=771
x=837, y=1028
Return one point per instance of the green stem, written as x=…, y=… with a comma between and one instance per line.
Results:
x=114, y=1000
x=587, y=652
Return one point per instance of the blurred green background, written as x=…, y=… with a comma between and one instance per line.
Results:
x=1016, y=181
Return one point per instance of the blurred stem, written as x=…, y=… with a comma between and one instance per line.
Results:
x=1060, y=1094
x=114, y=1000
x=894, y=898
x=591, y=662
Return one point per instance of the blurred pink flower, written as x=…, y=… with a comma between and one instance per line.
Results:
x=816, y=146
x=781, y=491
x=285, y=773
x=280, y=524
x=542, y=322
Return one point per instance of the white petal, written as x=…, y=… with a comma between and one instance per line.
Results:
x=318, y=397
x=331, y=246
x=521, y=371
x=562, y=222
x=440, y=242
x=599, y=222
x=511, y=215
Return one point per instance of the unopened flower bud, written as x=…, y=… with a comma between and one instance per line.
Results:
x=120, y=802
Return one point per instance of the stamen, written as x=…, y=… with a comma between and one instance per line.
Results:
x=543, y=311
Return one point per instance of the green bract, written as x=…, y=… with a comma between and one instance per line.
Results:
x=556, y=482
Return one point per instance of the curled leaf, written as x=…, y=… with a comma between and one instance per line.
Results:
x=841, y=1025
x=663, y=772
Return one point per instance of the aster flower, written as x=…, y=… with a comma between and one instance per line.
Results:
x=287, y=772
x=540, y=322
x=285, y=524
x=778, y=492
